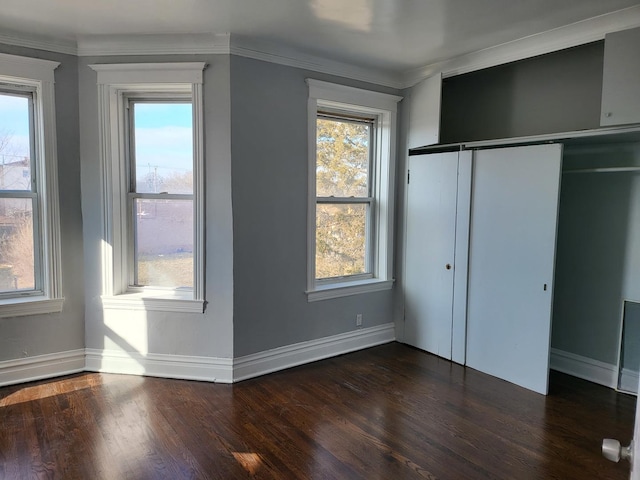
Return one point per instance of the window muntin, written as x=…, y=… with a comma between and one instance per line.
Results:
x=345, y=204
x=20, y=242
x=160, y=197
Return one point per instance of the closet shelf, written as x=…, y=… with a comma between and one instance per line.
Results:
x=603, y=170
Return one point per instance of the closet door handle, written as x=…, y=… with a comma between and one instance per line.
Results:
x=448, y=266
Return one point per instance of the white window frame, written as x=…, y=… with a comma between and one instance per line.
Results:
x=37, y=77
x=115, y=83
x=324, y=95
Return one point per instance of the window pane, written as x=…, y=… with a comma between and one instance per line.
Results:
x=15, y=144
x=342, y=156
x=16, y=245
x=164, y=243
x=163, y=137
x=340, y=240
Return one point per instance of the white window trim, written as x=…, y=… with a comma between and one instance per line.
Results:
x=114, y=81
x=385, y=107
x=39, y=74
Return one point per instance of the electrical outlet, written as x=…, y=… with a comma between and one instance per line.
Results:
x=359, y=320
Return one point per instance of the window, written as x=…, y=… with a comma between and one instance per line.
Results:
x=154, y=188
x=19, y=241
x=29, y=223
x=160, y=194
x=344, y=200
x=352, y=140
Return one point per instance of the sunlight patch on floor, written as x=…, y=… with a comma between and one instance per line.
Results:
x=251, y=462
x=49, y=389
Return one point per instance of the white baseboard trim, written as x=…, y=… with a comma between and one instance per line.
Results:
x=28, y=369
x=209, y=369
x=583, y=367
x=629, y=381
x=221, y=370
x=281, y=358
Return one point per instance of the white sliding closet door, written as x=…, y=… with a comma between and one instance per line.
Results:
x=511, y=262
x=438, y=196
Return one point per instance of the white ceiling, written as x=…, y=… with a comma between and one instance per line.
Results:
x=394, y=36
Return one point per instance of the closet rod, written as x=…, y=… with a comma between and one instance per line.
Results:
x=604, y=170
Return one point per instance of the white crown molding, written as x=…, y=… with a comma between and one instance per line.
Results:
x=203, y=43
x=41, y=366
x=251, y=48
x=289, y=356
x=180, y=44
x=579, y=33
x=572, y=35
x=21, y=39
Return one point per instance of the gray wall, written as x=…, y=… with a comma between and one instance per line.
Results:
x=209, y=334
x=598, y=252
x=270, y=167
x=42, y=334
x=256, y=158
x=259, y=252
x=557, y=92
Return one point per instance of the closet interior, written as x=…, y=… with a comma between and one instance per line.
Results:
x=596, y=308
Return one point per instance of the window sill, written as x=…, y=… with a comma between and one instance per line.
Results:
x=148, y=301
x=345, y=289
x=20, y=307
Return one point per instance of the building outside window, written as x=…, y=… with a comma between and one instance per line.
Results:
x=160, y=167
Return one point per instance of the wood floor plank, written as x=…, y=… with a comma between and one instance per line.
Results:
x=389, y=412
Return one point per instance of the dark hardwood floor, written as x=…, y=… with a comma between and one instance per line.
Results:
x=389, y=412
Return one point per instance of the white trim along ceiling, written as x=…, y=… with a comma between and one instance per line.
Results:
x=567, y=36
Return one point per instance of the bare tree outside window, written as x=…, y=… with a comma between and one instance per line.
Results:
x=17, y=195
x=16, y=250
